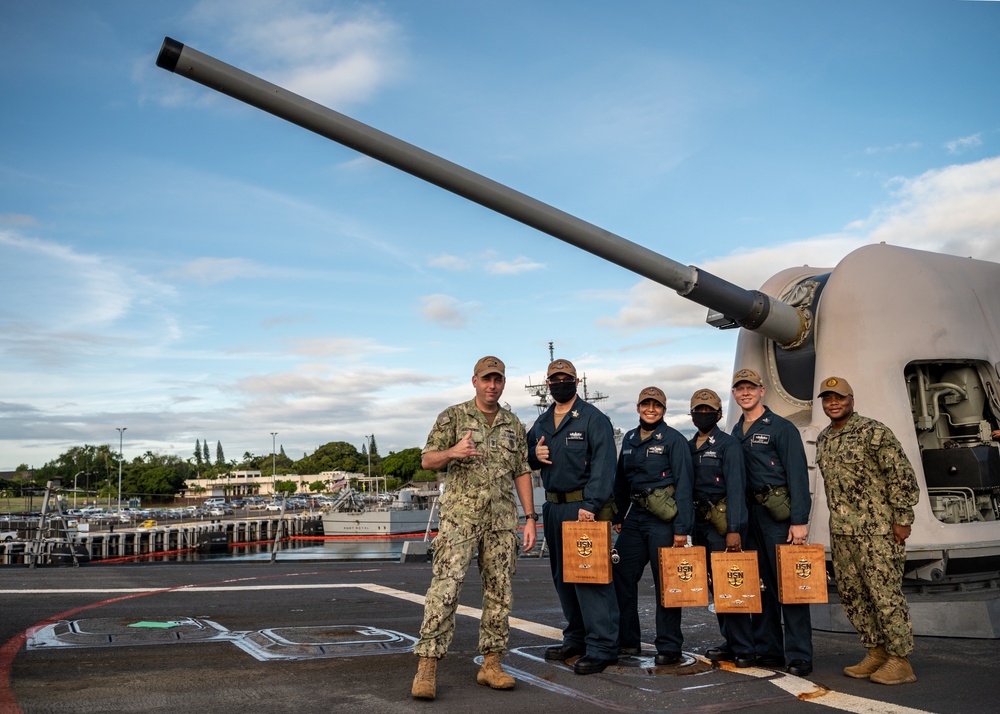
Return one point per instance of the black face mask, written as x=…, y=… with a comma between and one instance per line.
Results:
x=562, y=392
x=647, y=426
x=704, y=421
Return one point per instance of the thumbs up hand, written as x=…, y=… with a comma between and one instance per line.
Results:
x=542, y=451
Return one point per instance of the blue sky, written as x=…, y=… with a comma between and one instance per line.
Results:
x=190, y=268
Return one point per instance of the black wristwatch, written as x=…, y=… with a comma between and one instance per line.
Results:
x=531, y=516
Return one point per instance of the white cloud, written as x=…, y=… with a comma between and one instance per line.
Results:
x=893, y=148
x=354, y=348
x=447, y=311
x=954, y=210
x=210, y=271
x=518, y=265
x=332, y=56
x=91, y=291
x=449, y=262
x=957, y=146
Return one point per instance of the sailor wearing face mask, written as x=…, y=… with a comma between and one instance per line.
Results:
x=653, y=497
x=573, y=445
x=720, y=511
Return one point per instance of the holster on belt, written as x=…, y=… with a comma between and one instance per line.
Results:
x=714, y=513
x=658, y=501
x=777, y=501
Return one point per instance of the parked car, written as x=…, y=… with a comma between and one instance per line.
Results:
x=272, y=507
x=148, y=523
x=7, y=536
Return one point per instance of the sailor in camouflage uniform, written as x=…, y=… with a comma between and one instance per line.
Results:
x=484, y=449
x=871, y=491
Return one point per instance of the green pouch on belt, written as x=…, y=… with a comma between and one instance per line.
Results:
x=660, y=502
x=608, y=511
x=778, y=503
x=716, y=515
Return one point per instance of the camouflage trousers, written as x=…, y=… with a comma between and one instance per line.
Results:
x=869, y=572
x=453, y=550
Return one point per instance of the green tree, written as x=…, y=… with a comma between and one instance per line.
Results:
x=220, y=458
x=317, y=486
x=285, y=487
x=402, y=465
x=197, y=452
x=334, y=456
x=204, y=452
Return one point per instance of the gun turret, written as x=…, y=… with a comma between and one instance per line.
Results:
x=787, y=325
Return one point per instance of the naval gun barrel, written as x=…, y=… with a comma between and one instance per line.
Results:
x=750, y=309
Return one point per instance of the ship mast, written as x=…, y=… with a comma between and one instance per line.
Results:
x=543, y=399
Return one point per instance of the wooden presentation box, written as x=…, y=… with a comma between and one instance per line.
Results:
x=736, y=582
x=586, y=552
x=802, y=574
x=683, y=577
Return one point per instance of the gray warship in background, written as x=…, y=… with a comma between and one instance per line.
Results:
x=916, y=333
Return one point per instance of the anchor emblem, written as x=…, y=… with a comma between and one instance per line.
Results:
x=584, y=546
x=803, y=568
x=685, y=571
x=735, y=577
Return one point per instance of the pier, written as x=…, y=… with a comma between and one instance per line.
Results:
x=159, y=540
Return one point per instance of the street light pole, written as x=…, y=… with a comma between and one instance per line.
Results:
x=369, y=437
x=121, y=434
x=274, y=482
x=74, y=487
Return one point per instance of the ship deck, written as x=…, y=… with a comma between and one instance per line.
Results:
x=321, y=636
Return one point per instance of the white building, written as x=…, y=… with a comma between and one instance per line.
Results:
x=239, y=484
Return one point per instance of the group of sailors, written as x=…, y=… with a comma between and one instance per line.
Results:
x=744, y=490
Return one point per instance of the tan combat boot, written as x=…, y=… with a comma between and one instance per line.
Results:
x=425, y=683
x=896, y=670
x=874, y=658
x=491, y=673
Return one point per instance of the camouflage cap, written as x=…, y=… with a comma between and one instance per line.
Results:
x=561, y=366
x=489, y=365
x=837, y=385
x=706, y=397
x=654, y=393
x=747, y=375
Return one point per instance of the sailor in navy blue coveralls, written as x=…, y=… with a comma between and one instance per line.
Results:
x=774, y=457
x=653, y=456
x=573, y=445
x=719, y=477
